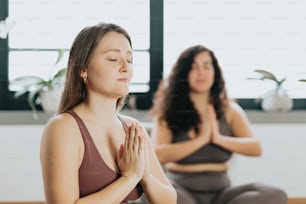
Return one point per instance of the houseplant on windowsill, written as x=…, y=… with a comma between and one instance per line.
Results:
x=277, y=99
x=45, y=92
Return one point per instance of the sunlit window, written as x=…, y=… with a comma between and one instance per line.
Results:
x=43, y=26
x=244, y=35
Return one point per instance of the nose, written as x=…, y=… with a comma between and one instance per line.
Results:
x=124, y=66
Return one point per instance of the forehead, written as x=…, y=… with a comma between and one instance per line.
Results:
x=114, y=41
x=202, y=56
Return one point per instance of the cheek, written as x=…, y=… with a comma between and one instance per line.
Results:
x=190, y=76
x=131, y=71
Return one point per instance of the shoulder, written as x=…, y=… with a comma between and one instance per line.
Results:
x=61, y=129
x=62, y=122
x=234, y=111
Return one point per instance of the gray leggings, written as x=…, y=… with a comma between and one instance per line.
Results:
x=254, y=193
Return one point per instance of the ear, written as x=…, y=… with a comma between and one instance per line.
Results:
x=83, y=73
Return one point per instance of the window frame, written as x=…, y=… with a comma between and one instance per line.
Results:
x=144, y=100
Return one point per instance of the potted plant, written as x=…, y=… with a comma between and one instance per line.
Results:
x=276, y=100
x=45, y=92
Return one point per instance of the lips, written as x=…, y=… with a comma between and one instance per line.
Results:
x=124, y=79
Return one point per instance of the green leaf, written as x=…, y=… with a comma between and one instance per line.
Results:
x=266, y=75
x=60, y=56
x=281, y=81
x=19, y=93
x=60, y=73
x=302, y=80
x=26, y=80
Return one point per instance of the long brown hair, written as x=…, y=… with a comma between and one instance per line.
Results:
x=172, y=102
x=80, y=55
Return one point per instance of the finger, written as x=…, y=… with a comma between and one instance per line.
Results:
x=130, y=137
x=141, y=145
x=120, y=152
x=136, y=139
x=133, y=136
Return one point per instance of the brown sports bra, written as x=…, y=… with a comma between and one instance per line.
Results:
x=94, y=174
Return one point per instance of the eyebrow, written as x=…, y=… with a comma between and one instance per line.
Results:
x=117, y=50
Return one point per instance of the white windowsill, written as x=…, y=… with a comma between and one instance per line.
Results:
x=26, y=118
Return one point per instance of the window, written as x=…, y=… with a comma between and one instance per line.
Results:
x=244, y=35
x=37, y=35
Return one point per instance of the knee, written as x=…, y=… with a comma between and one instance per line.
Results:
x=272, y=194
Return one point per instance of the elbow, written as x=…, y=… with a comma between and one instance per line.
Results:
x=259, y=149
x=257, y=152
x=172, y=196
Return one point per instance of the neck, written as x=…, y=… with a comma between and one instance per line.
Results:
x=99, y=109
x=200, y=101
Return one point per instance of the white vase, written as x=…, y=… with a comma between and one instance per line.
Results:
x=277, y=100
x=50, y=100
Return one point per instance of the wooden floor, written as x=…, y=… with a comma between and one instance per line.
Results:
x=297, y=201
x=290, y=201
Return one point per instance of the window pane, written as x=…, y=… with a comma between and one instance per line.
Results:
x=24, y=63
x=245, y=35
x=141, y=68
x=54, y=24
x=41, y=63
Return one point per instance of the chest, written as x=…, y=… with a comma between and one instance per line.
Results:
x=106, y=142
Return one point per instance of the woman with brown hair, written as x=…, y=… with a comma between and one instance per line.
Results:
x=196, y=130
x=89, y=152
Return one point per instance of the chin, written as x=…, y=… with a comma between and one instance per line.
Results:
x=200, y=91
x=123, y=92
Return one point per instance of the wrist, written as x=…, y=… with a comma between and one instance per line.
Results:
x=146, y=179
x=217, y=139
x=131, y=178
x=202, y=141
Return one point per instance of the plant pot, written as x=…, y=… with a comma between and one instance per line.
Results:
x=277, y=100
x=50, y=100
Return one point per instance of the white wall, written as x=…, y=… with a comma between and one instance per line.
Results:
x=20, y=174
x=282, y=164
x=283, y=160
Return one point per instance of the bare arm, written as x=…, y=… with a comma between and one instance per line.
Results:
x=155, y=184
x=167, y=151
x=203, y=167
x=61, y=156
x=243, y=141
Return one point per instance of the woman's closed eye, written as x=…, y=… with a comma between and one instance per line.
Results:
x=130, y=61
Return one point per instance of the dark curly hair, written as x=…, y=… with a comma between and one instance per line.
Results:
x=172, y=102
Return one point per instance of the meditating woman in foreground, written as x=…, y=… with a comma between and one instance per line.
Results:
x=89, y=153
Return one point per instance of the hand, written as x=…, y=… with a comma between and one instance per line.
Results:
x=205, y=130
x=214, y=124
x=131, y=155
x=147, y=171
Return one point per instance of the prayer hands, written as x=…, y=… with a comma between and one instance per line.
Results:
x=209, y=129
x=215, y=133
x=133, y=156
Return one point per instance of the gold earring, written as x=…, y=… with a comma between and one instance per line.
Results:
x=84, y=76
x=84, y=79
